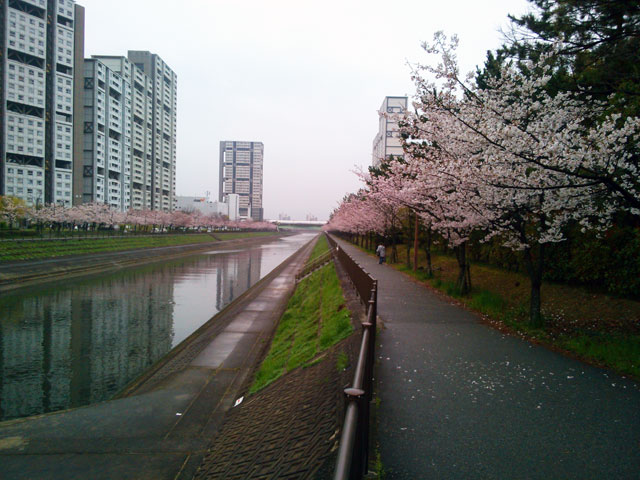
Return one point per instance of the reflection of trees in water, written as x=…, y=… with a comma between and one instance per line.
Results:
x=83, y=343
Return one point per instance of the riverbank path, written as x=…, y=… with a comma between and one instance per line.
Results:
x=460, y=400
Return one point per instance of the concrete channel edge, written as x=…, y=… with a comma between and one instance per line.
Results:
x=113, y=261
x=227, y=311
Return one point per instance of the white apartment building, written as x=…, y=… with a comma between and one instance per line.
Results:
x=241, y=172
x=107, y=136
x=38, y=70
x=142, y=152
x=141, y=118
x=387, y=141
x=163, y=84
x=149, y=135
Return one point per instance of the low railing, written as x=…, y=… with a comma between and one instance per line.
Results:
x=313, y=265
x=353, y=454
x=360, y=279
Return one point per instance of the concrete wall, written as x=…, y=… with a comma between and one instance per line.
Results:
x=201, y=204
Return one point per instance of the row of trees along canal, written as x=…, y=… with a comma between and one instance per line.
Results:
x=94, y=216
x=534, y=157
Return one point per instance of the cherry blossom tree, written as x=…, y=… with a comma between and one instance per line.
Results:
x=358, y=214
x=432, y=181
x=96, y=215
x=12, y=209
x=533, y=161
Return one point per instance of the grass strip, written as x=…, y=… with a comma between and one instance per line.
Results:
x=36, y=250
x=315, y=319
x=238, y=235
x=11, y=250
x=321, y=246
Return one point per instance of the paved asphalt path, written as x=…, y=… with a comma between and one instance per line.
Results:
x=459, y=400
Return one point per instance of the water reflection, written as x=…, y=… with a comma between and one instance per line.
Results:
x=80, y=342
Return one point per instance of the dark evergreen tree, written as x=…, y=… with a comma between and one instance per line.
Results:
x=599, y=52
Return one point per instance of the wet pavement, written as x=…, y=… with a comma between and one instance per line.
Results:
x=162, y=427
x=460, y=400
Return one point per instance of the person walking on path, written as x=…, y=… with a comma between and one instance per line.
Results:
x=460, y=400
x=381, y=251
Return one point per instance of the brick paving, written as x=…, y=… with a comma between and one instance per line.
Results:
x=290, y=429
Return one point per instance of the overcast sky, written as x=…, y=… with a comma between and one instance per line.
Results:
x=306, y=78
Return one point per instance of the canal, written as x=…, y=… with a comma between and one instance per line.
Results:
x=81, y=341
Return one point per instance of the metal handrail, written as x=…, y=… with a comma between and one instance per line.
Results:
x=353, y=454
x=314, y=264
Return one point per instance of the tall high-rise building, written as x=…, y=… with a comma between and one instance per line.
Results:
x=163, y=84
x=41, y=45
x=241, y=166
x=147, y=146
x=141, y=119
x=387, y=141
x=141, y=148
x=107, y=116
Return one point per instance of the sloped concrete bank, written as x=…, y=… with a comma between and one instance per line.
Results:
x=21, y=274
x=191, y=346
x=163, y=423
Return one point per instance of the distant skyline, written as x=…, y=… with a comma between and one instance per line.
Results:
x=304, y=78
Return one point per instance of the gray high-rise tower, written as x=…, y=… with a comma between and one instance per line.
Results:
x=129, y=132
x=41, y=51
x=106, y=170
x=164, y=85
x=241, y=173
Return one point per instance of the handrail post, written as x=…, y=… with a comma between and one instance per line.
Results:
x=347, y=461
x=360, y=462
x=366, y=400
x=373, y=319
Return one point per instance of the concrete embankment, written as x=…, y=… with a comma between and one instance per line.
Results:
x=20, y=274
x=164, y=422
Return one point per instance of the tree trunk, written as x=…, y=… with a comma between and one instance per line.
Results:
x=394, y=250
x=409, y=242
x=415, y=245
x=464, y=272
x=534, y=261
x=427, y=251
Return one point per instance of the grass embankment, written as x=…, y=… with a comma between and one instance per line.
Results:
x=321, y=247
x=12, y=250
x=593, y=326
x=237, y=235
x=316, y=318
